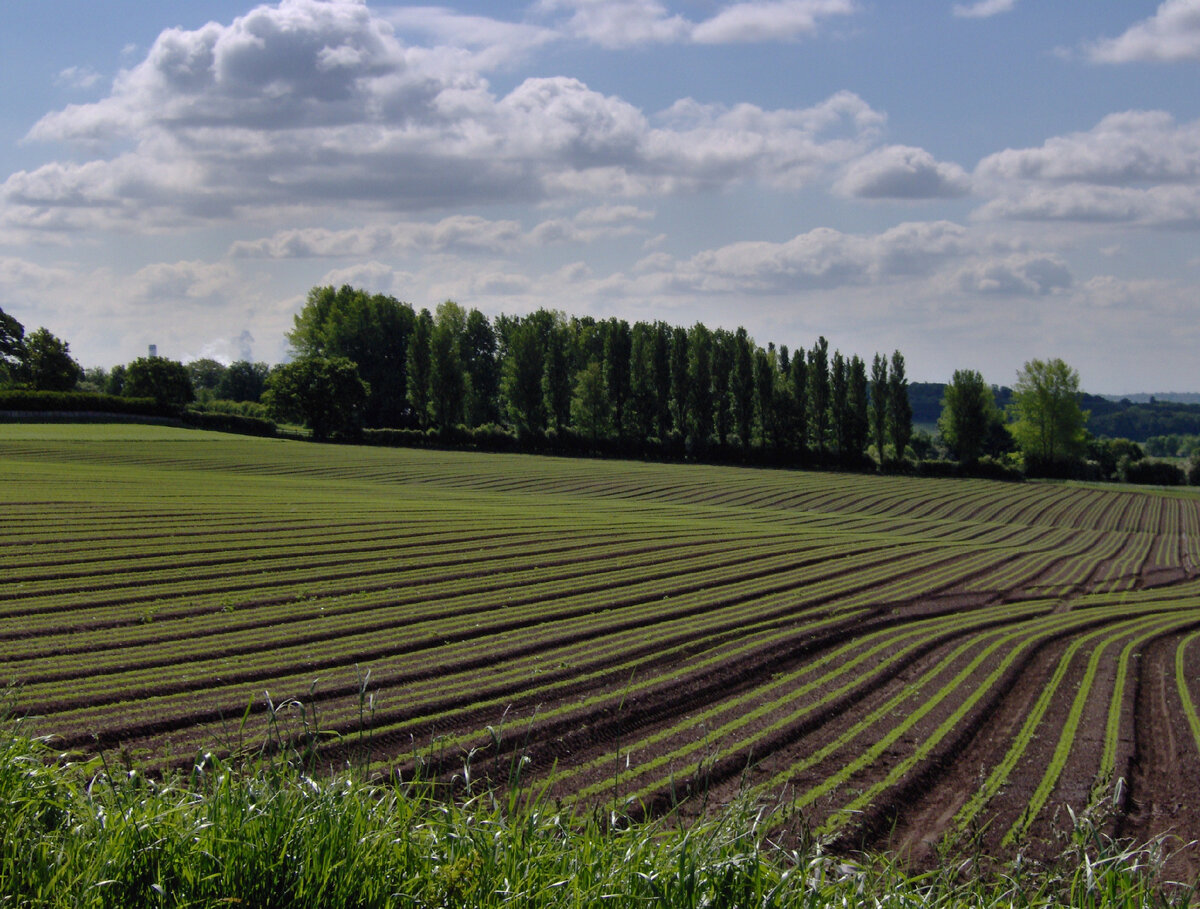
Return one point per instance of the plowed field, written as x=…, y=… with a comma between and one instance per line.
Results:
x=897, y=660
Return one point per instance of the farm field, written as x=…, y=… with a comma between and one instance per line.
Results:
x=896, y=660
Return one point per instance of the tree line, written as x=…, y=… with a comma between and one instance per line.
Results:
x=644, y=385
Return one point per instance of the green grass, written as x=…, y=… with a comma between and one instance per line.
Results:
x=94, y=835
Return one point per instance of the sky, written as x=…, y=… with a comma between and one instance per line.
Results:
x=973, y=183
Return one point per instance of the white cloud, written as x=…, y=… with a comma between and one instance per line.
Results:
x=768, y=20
x=629, y=23
x=305, y=105
x=78, y=77
x=903, y=172
x=1022, y=274
x=983, y=9
x=1138, y=167
x=1171, y=35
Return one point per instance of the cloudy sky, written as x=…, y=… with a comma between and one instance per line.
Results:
x=974, y=183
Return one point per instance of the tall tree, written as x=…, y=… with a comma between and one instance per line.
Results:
x=618, y=352
x=742, y=386
x=447, y=376
x=798, y=394
x=679, y=379
x=521, y=376
x=879, y=405
x=764, y=396
x=590, y=405
x=839, y=403
x=418, y=367
x=661, y=370
x=557, y=384
x=700, y=386
x=48, y=364
x=818, y=394
x=371, y=330
x=1049, y=423
x=857, y=405
x=642, y=391
x=325, y=393
x=968, y=411
x=899, y=407
x=243, y=381
x=166, y=381
x=12, y=348
x=482, y=369
x=722, y=370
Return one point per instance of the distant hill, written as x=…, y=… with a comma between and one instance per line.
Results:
x=1174, y=397
x=1156, y=415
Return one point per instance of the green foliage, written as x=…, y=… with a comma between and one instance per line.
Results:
x=590, y=405
x=371, y=330
x=12, y=349
x=325, y=393
x=166, y=381
x=243, y=381
x=1153, y=473
x=77, y=402
x=1048, y=423
x=899, y=409
x=968, y=414
x=48, y=365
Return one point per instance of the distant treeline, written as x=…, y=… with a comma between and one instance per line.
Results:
x=645, y=386
x=1120, y=419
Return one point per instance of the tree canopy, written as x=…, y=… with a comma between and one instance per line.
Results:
x=324, y=393
x=1048, y=423
x=166, y=381
x=968, y=412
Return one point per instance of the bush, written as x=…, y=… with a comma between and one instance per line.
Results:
x=1153, y=473
x=228, y=422
x=78, y=402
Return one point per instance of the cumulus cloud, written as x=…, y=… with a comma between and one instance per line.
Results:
x=1138, y=167
x=983, y=9
x=1171, y=35
x=309, y=104
x=768, y=20
x=903, y=172
x=453, y=235
x=821, y=258
x=1021, y=274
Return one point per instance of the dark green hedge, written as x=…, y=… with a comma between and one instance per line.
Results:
x=228, y=422
x=81, y=401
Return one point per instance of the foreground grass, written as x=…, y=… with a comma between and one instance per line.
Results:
x=272, y=835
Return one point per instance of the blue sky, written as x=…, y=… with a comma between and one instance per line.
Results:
x=974, y=183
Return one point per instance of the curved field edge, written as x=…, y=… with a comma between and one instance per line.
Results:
x=716, y=631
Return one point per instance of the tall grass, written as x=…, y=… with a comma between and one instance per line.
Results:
x=273, y=834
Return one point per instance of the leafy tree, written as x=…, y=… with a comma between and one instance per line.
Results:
x=483, y=369
x=618, y=352
x=968, y=411
x=48, y=365
x=764, y=396
x=722, y=375
x=1048, y=421
x=371, y=330
x=590, y=403
x=447, y=379
x=643, y=397
x=798, y=394
x=700, y=386
x=419, y=367
x=243, y=381
x=819, y=394
x=742, y=385
x=324, y=393
x=839, y=403
x=12, y=348
x=521, y=376
x=205, y=374
x=879, y=404
x=899, y=408
x=857, y=406
x=557, y=388
x=167, y=381
x=661, y=371
x=679, y=379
